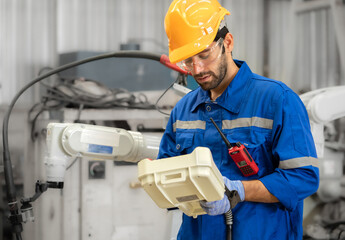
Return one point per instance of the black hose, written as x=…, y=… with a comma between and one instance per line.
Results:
x=10, y=187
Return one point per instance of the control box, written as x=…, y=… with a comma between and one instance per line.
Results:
x=182, y=181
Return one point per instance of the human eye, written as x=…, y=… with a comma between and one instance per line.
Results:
x=204, y=55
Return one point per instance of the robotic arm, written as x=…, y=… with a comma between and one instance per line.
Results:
x=180, y=181
x=66, y=140
x=324, y=106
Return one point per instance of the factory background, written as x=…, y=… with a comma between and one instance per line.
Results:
x=300, y=43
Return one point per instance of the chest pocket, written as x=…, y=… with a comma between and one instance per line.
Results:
x=184, y=142
x=258, y=146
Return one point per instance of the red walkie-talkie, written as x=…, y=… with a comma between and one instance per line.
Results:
x=240, y=155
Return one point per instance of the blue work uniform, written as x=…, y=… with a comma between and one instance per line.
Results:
x=271, y=121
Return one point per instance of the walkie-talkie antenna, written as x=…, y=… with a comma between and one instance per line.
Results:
x=228, y=144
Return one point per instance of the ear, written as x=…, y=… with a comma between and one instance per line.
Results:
x=228, y=42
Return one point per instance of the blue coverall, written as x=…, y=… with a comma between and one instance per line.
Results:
x=271, y=121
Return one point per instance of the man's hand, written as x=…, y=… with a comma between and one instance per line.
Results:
x=223, y=205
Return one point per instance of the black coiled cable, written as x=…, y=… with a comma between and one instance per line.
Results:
x=229, y=222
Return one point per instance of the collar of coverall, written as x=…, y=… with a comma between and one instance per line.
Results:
x=236, y=91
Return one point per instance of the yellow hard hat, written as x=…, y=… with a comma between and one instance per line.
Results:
x=191, y=26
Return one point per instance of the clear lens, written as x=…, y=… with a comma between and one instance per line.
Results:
x=208, y=56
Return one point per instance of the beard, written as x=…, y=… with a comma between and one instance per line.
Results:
x=216, y=78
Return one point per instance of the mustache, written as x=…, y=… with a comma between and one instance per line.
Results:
x=202, y=74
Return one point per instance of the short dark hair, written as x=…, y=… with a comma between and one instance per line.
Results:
x=221, y=33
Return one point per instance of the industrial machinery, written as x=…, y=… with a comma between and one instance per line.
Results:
x=324, y=106
x=324, y=213
x=66, y=140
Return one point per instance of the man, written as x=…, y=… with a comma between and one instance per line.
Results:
x=262, y=114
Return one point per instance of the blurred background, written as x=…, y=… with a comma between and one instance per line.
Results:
x=299, y=42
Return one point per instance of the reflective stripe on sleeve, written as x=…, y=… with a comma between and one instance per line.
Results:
x=299, y=162
x=248, y=122
x=198, y=124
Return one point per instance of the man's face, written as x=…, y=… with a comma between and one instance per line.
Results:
x=210, y=76
x=208, y=67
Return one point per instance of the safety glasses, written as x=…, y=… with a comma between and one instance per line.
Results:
x=206, y=57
